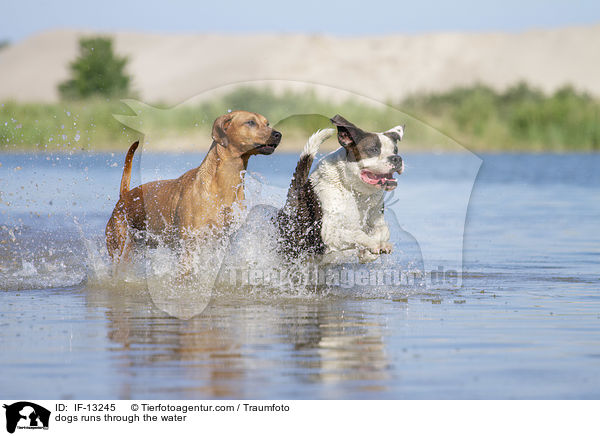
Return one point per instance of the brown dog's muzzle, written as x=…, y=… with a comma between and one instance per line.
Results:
x=271, y=143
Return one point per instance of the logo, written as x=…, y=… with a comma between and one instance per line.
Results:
x=26, y=415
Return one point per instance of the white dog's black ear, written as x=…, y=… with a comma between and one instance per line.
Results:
x=348, y=134
x=395, y=133
x=219, y=130
x=339, y=120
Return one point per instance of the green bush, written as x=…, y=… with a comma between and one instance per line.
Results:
x=97, y=71
x=520, y=118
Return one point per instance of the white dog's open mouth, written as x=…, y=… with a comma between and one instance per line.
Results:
x=386, y=181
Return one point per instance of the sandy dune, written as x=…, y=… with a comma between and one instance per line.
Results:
x=174, y=68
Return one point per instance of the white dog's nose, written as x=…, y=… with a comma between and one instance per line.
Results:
x=396, y=160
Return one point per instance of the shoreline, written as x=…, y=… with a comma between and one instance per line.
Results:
x=412, y=151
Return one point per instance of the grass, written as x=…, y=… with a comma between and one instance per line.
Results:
x=521, y=118
x=67, y=126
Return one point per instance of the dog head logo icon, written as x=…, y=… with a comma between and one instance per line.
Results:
x=24, y=414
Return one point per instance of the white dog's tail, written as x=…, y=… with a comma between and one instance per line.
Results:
x=314, y=142
x=305, y=162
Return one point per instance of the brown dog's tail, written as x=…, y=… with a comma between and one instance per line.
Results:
x=304, y=164
x=126, y=178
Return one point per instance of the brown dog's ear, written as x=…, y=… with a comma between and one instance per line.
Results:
x=348, y=134
x=219, y=130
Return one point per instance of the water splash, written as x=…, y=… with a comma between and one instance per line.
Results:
x=245, y=264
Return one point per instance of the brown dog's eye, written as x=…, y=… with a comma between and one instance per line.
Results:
x=251, y=123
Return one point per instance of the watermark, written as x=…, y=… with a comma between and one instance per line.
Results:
x=347, y=276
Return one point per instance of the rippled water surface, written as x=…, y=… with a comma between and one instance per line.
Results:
x=524, y=322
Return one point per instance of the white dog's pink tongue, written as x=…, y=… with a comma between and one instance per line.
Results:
x=374, y=179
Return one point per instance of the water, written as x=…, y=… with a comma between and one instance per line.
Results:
x=523, y=323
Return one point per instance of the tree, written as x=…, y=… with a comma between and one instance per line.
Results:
x=96, y=71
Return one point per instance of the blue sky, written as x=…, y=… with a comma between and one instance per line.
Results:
x=20, y=18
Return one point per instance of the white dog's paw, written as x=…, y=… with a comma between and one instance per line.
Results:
x=385, y=248
x=365, y=256
x=381, y=247
x=374, y=248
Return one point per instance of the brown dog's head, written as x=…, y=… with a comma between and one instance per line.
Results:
x=245, y=133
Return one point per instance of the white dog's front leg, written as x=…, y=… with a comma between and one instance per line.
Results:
x=340, y=238
x=381, y=234
x=380, y=231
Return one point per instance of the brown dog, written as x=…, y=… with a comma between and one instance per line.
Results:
x=202, y=198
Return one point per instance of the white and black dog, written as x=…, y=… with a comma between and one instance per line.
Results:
x=337, y=212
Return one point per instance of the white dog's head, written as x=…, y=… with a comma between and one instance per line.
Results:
x=373, y=157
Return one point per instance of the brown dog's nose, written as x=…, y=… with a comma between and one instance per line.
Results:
x=276, y=136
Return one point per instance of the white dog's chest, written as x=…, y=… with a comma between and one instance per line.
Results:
x=350, y=210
